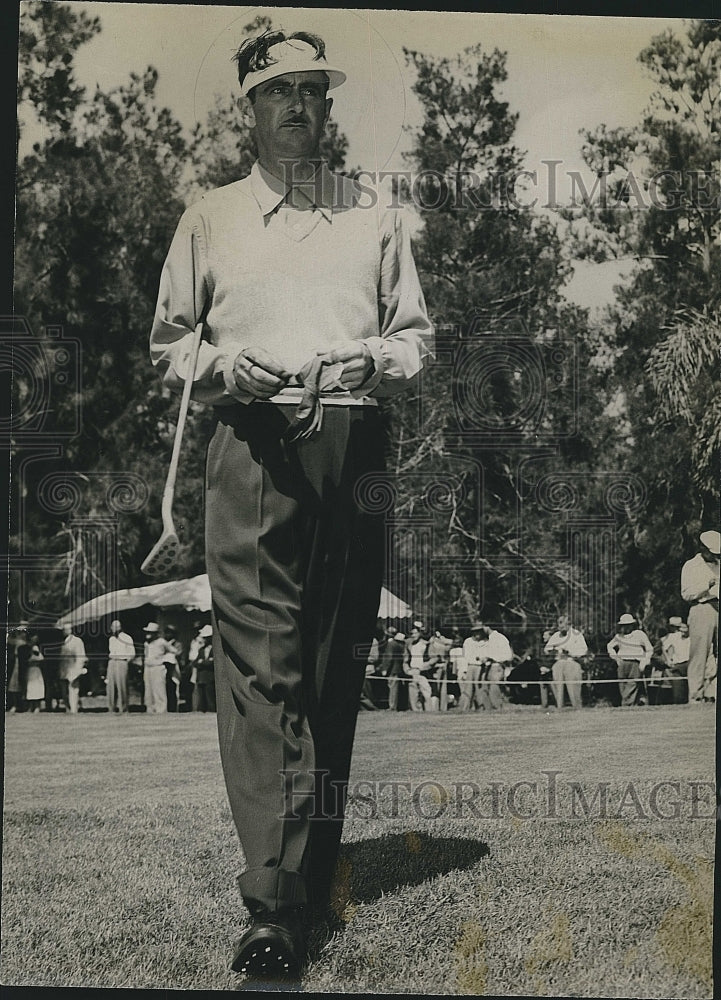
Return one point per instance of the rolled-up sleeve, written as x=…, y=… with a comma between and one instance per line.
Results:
x=406, y=333
x=182, y=300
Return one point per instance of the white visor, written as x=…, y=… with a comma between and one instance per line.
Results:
x=294, y=56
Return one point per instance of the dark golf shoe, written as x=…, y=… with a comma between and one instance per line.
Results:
x=272, y=950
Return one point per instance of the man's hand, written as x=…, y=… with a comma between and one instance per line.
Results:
x=357, y=363
x=257, y=372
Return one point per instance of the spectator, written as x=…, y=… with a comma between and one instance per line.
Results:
x=700, y=586
x=675, y=651
x=456, y=668
x=419, y=693
x=34, y=682
x=394, y=668
x=631, y=650
x=191, y=670
x=204, y=691
x=525, y=676
x=660, y=688
x=471, y=669
x=71, y=667
x=156, y=651
x=567, y=645
x=49, y=667
x=438, y=661
x=496, y=654
x=121, y=649
x=173, y=666
x=374, y=655
x=545, y=672
x=16, y=666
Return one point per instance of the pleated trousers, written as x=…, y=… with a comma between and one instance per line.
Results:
x=295, y=560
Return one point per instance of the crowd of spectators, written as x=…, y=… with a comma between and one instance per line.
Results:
x=165, y=674
x=426, y=670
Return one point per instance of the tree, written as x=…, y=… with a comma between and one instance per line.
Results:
x=492, y=272
x=96, y=204
x=663, y=208
x=49, y=36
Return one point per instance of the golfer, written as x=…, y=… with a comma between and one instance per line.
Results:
x=312, y=310
x=700, y=586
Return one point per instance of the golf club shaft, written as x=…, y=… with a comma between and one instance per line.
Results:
x=169, y=491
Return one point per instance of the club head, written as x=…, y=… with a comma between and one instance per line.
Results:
x=162, y=556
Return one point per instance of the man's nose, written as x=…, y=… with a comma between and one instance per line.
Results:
x=297, y=100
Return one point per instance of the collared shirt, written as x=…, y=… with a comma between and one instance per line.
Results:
x=675, y=648
x=261, y=272
x=496, y=647
x=416, y=654
x=438, y=648
x=457, y=660
x=120, y=647
x=699, y=580
x=570, y=644
x=157, y=652
x=72, y=658
x=634, y=646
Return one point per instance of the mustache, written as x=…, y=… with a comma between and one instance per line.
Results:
x=296, y=120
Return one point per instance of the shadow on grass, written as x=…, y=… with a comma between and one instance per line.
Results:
x=368, y=869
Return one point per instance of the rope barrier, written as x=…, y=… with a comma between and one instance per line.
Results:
x=550, y=680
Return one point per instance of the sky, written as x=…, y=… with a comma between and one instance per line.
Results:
x=564, y=73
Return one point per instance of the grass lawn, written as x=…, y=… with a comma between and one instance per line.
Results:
x=119, y=855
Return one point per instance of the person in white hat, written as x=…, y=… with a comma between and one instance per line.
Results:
x=121, y=650
x=700, y=586
x=485, y=652
x=393, y=667
x=156, y=651
x=204, y=683
x=416, y=666
x=631, y=650
x=674, y=653
x=312, y=309
x=71, y=666
x=568, y=645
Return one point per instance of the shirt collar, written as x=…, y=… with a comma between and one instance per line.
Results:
x=269, y=191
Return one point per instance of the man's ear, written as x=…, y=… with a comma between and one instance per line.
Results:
x=328, y=106
x=247, y=112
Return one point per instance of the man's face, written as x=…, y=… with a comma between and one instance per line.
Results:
x=708, y=555
x=563, y=625
x=683, y=629
x=115, y=628
x=67, y=630
x=289, y=114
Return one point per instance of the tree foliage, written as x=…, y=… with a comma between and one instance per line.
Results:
x=493, y=274
x=96, y=204
x=664, y=209
x=98, y=200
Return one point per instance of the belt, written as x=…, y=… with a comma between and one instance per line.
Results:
x=292, y=397
x=713, y=601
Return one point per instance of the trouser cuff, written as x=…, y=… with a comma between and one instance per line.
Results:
x=273, y=888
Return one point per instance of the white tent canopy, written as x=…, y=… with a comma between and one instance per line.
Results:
x=192, y=594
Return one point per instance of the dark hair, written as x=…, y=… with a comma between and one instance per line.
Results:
x=252, y=54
